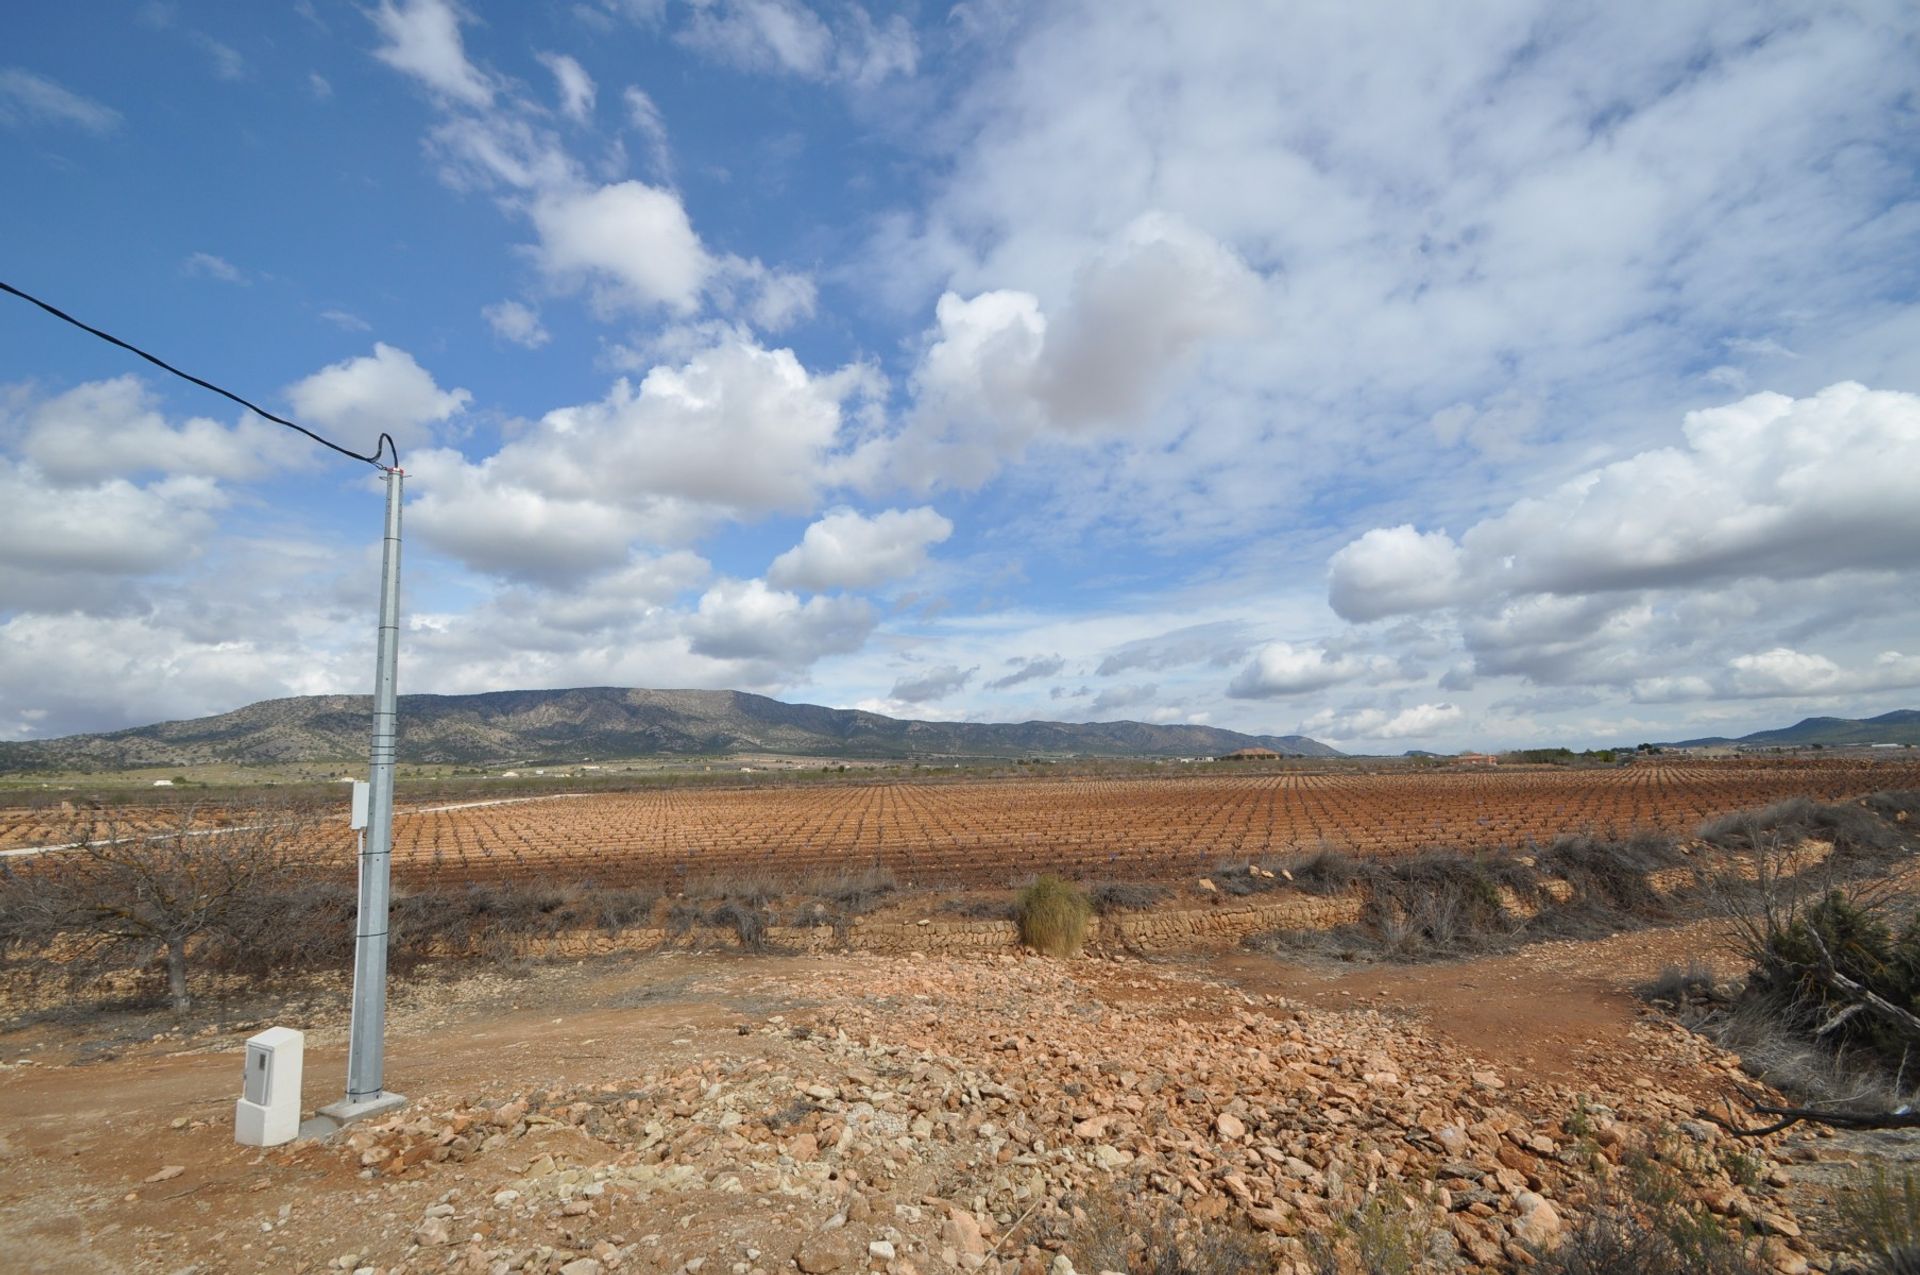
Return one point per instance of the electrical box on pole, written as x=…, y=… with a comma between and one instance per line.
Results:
x=366, y=1037
x=358, y=819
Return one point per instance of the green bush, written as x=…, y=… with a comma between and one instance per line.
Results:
x=1052, y=916
x=1864, y=947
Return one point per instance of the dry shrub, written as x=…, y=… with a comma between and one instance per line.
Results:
x=1679, y=986
x=1109, y=897
x=1053, y=916
x=1325, y=871
x=1648, y=1222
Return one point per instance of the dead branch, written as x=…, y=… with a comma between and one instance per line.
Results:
x=1830, y=974
x=1787, y=1117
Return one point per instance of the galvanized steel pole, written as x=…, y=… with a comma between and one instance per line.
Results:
x=366, y=1049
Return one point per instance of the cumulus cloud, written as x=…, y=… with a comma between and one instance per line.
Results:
x=1392, y=571
x=934, y=683
x=631, y=243
x=574, y=85
x=107, y=429
x=998, y=372
x=1770, y=487
x=385, y=392
x=423, y=40
x=1026, y=669
x=517, y=322
x=736, y=431
x=1784, y=673
x=109, y=528
x=1419, y=722
x=746, y=620
x=849, y=550
x=27, y=98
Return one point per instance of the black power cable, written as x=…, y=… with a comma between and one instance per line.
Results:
x=385, y=443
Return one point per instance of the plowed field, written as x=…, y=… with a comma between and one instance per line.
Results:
x=990, y=833
x=993, y=832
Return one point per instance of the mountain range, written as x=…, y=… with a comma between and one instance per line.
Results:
x=605, y=722
x=1902, y=726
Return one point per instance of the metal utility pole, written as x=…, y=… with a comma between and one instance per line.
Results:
x=366, y=1048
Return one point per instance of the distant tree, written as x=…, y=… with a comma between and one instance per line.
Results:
x=121, y=895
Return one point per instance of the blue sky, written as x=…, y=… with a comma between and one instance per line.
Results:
x=1541, y=373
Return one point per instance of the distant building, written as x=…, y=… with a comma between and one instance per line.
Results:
x=1477, y=759
x=1252, y=754
x=163, y=783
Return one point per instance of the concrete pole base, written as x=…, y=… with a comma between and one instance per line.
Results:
x=336, y=1116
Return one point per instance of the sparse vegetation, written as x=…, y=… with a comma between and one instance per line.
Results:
x=1879, y=1218
x=1052, y=916
x=1111, y=1231
x=1386, y=1235
x=120, y=898
x=1647, y=1221
x=1109, y=897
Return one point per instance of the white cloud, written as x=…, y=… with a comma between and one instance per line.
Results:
x=112, y=429
x=643, y=115
x=212, y=267
x=112, y=527
x=1283, y=668
x=631, y=242
x=228, y=64
x=1768, y=487
x=574, y=85
x=1419, y=722
x=787, y=37
x=998, y=371
x=780, y=299
x=1784, y=673
x=746, y=620
x=423, y=40
x=735, y=431
x=319, y=86
x=517, y=322
x=1392, y=570
x=27, y=98
x=386, y=392
x=849, y=550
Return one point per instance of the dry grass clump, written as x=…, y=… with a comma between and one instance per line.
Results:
x=1052, y=916
x=1880, y=1221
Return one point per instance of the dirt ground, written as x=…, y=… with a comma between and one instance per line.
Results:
x=684, y=1112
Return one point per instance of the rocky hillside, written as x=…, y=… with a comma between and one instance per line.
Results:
x=596, y=722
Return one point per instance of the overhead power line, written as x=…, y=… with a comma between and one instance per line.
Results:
x=384, y=445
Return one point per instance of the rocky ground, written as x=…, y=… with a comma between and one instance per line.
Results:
x=917, y=1113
